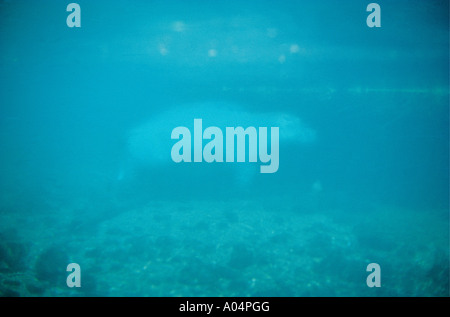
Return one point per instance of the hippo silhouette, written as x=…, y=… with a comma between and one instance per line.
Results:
x=150, y=143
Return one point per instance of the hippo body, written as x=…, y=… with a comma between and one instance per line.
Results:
x=149, y=144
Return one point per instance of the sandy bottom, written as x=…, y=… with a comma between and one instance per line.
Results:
x=228, y=248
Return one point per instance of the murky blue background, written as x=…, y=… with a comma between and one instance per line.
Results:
x=371, y=186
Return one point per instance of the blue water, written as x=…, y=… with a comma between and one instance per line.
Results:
x=85, y=138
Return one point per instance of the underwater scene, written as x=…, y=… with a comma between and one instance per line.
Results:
x=224, y=148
